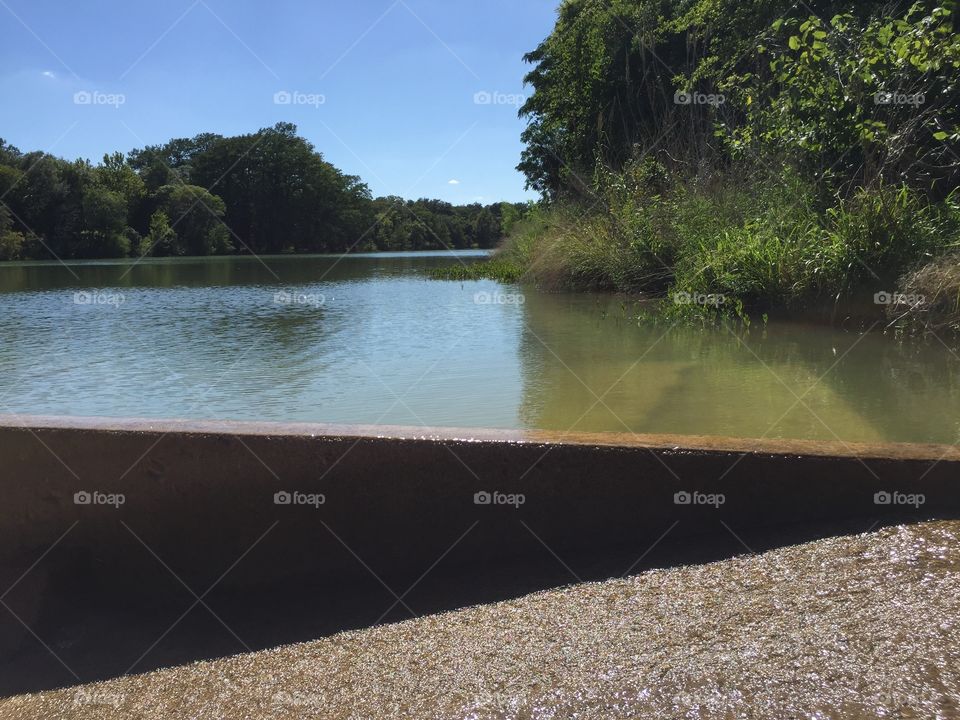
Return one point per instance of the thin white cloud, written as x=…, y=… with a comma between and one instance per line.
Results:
x=453, y=182
x=48, y=74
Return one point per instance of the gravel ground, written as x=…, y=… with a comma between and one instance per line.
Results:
x=865, y=626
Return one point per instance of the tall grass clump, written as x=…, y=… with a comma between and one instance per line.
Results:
x=758, y=241
x=782, y=246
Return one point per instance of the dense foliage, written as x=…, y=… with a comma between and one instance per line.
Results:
x=710, y=81
x=767, y=150
x=267, y=192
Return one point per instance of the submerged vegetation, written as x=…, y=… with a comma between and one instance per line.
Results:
x=770, y=154
x=267, y=192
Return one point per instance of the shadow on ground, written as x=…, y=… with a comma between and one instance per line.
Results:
x=87, y=634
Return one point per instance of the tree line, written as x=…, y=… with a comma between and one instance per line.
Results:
x=849, y=93
x=267, y=192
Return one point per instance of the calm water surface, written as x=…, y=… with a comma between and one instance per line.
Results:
x=371, y=339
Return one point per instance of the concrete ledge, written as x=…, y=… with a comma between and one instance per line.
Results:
x=915, y=451
x=199, y=497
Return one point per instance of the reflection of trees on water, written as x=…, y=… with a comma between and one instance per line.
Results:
x=717, y=382
x=214, y=272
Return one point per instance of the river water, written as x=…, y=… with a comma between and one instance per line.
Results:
x=372, y=339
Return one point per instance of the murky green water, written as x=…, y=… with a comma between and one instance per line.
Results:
x=370, y=339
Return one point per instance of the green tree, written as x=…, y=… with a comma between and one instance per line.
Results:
x=197, y=219
x=118, y=176
x=486, y=230
x=161, y=238
x=11, y=242
x=103, y=222
x=605, y=81
x=281, y=195
x=875, y=99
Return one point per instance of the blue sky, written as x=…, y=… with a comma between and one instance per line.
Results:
x=418, y=97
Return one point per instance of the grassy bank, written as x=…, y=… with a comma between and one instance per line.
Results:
x=727, y=242
x=796, y=156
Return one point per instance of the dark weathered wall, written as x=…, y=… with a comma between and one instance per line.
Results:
x=198, y=496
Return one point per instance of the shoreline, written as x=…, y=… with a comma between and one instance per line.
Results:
x=468, y=252
x=321, y=431
x=861, y=306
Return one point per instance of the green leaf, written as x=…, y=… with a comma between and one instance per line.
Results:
x=941, y=135
x=794, y=42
